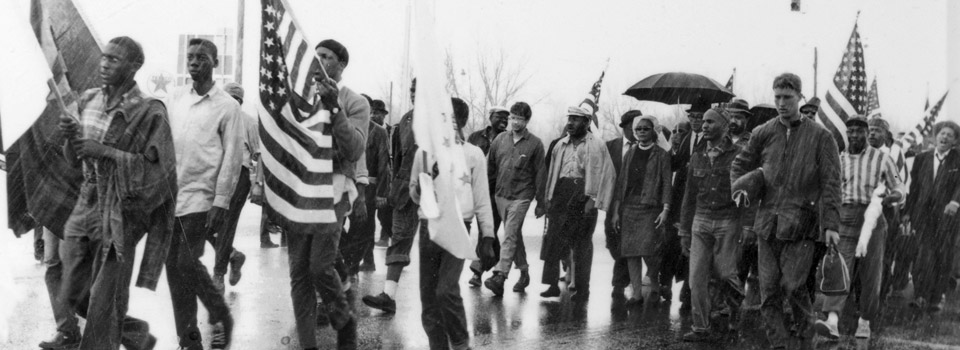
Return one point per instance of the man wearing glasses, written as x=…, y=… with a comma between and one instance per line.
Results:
x=514, y=160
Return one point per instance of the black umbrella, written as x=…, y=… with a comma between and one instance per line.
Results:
x=679, y=88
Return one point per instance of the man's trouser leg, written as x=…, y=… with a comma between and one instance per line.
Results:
x=385, y=215
x=714, y=251
x=512, y=250
x=865, y=273
x=77, y=256
x=359, y=238
x=188, y=279
x=223, y=244
x=444, y=319
x=784, y=266
x=405, y=223
x=264, y=226
x=108, y=325
x=673, y=264
x=311, y=258
x=63, y=313
x=583, y=253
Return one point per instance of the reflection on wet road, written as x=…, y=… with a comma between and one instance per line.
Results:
x=263, y=310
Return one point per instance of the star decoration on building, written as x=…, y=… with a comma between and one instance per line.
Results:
x=161, y=82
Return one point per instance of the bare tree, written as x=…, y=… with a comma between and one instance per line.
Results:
x=493, y=80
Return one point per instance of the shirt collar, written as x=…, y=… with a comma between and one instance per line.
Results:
x=214, y=90
x=524, y=134
x=132, y=96
x=941, y=156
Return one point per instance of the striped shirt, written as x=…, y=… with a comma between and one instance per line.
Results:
x=863, y=172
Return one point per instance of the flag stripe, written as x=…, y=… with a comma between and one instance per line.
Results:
x=832, y=123
x=295, y=214
x=312, y=171
x=295, y=67
x=298, y=195
x=837, y=108
x=312, y=144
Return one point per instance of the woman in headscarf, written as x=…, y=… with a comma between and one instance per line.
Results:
x=641, y=202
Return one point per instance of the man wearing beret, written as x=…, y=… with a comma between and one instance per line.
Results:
x=617, y=149
x=312, y=254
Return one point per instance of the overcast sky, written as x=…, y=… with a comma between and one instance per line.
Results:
x=563, y=45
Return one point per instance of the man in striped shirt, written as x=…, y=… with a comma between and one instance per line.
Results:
x=865, y=168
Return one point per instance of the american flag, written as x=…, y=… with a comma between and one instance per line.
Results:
x=847, y=95
x=592, y=101
x=925, y=127
x=729, y=85
x=294, y=132
x=873, y=102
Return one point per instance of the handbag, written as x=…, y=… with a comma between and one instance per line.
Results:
x=832, y=275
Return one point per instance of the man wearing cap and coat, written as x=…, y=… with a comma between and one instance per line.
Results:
x=674, y=264
x=579, y=181
x=618, y=148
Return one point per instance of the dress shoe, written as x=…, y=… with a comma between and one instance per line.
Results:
x=236, y=263
x=495, y=283
x=61, y=340
x=381, y=302
x=475, y=281
x=523, y=282
x=666, y=293
x=551, y=292
x=383, y=243
x=268, y=244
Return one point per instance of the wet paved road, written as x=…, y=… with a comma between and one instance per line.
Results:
x=263, y=311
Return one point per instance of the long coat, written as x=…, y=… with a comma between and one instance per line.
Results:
x=638, y=234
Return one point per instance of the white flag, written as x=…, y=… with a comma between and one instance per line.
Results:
x=433, y=128
x=23, y=89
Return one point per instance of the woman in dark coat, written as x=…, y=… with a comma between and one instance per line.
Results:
x=641, y=203
x=931, y=218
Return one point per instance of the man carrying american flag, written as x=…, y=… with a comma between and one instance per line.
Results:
x=310, y=153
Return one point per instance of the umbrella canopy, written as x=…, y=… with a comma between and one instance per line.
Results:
x=679, y=88
x=761, y=114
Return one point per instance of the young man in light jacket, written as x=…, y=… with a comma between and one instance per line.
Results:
x=444, y=318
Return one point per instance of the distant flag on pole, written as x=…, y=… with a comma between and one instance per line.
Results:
x=433, y=129
x=925, y=127
x=592, y=101
x=294, y=130
x=729, y=85
x=873, y=102
x=847, y=95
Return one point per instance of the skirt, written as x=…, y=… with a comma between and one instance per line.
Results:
x=639, y=233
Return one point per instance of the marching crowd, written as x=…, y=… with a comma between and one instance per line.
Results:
x=746, y=220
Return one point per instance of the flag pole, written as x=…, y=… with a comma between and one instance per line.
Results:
x=814, y=71
x=238, y=68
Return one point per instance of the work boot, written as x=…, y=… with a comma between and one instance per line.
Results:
x=666, y=293
x=553, y=291
x=236, y=263
x=268, y=244
x=523, y=282
x=61, y=340
x=475, y=281
x=222, y=332
x=218, y=282
x=495, y=283
x=381, y=302
x=383, y=242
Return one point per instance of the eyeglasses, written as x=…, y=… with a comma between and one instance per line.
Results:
x=515, y=117
x=644, y=128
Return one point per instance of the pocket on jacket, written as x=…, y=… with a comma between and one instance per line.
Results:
x=521, y=162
